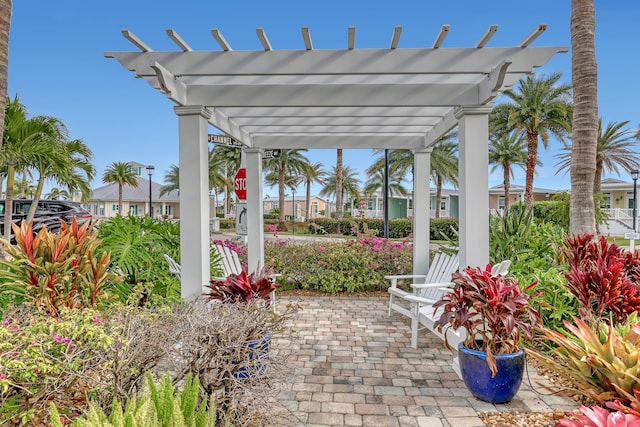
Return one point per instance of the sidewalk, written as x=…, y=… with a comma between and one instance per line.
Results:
x=352, y=365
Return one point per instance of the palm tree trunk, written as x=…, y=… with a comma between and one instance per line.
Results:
x=36, y=198
x=308, y=195
x=338, y=188
x=8, y=203
x=532, y=158
x=5, y=24
x=507, y=184
x=584, y=70
x=281, y=224
x=438, y=195
x=120, y=199
x=597, y=182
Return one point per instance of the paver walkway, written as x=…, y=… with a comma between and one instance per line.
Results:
x=352, y=365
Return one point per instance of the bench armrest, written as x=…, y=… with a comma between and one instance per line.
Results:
x=394, y=278
x=446, y=285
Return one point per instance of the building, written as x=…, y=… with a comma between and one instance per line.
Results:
x=319, y=208
x=135, y=200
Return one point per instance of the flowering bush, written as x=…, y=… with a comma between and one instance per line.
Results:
x=351, y=266
x=600, y=417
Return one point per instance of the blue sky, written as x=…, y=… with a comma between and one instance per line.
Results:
x=57, y=67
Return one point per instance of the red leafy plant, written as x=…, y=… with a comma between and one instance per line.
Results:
x=600, y=417
x=492, y=309
x=603, y=277
x=243, y=287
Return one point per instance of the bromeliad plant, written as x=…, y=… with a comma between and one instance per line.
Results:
x=492, y=309
x=601, y=362
x=243, y=287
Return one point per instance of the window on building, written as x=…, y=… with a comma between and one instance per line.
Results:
x=500, y=202
x=606, y=201
x=114, y=208
x=133, y=209
x=167, y=210
x=443, y=205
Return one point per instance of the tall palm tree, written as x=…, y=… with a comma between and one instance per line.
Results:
x=23, y=145
x=70, y=166
x=615, y=150
x=375, y=182
x=120, y=173
x=444, y=165
x=57, y=194
x=350, y=184
x=400, y=163
x=584, y=137
x=290, y=163
x=539, y=107
x=227, y=161
x=507, y=151
x=171, y=180
x=5, y=25
x=311, y=173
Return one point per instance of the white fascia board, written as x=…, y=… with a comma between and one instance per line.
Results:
x=336, y=62
x=347, y=112
x=353, y=129
x=378, y=140
x=332, y=95
x=447, y=123
x=335, y=121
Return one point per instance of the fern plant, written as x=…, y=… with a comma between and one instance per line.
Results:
x=161, y=405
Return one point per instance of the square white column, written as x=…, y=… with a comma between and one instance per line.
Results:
x=421, y=209
x=255, y=209
x=473, y=177
x=194, y=199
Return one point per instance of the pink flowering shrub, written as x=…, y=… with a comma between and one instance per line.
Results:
x=600, y=417
x=351, y=266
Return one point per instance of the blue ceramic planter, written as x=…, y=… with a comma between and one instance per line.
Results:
x=477, y=375
x=255, y=364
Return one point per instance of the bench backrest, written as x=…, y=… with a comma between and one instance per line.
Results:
x=229, y=261
x=440, y=271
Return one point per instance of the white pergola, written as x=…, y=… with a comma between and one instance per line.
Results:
x=349, y=98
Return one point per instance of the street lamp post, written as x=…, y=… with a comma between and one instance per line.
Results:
x=632, y=242
x=293, y=209
x=150, y=169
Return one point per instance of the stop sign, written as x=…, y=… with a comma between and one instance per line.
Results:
x=240, y=184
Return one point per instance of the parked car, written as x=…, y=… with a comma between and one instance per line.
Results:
x=49, y=213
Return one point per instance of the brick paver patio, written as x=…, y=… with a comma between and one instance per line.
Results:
x=352, y=365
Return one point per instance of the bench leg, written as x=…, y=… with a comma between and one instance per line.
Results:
x=391, y=296
x=415, y=324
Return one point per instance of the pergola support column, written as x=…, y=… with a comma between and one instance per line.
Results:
x=473, y=176
x=255, y=209
x=194, y=198
x=421, y=209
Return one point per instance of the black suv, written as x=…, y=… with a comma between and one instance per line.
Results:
x=48, y=212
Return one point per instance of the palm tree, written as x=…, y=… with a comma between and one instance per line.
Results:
x=444, y=165
x=311, y=172
x=290, y=163
x=350, y=184
x=69, y=167
x=227, y=162
x=23, y=145
x=5, y=24
x=615, y=151
x=171, y=180
x=584, y=136
x=375, y=182
x=506, y=151
x=540, y=107
x=400, y=163
x=57, y=194
x=120, y=173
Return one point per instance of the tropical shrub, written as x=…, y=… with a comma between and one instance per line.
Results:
x=242, y=287
x=399, y=228
x=603, y=277
x=56, y=271
x=351, y=266
x=137, y=246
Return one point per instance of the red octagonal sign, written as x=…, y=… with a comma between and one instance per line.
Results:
x=240, y=184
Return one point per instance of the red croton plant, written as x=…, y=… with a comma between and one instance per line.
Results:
x=603, y=277
x=243, y=287
x=492, y=309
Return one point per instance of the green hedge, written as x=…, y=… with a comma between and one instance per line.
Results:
x=398, y=228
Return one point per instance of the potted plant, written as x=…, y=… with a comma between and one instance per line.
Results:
x=254, y=290
x=496, y=315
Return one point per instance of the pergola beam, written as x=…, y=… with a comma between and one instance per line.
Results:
x=217, y=35
x=178, y=40
x=373, y=140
